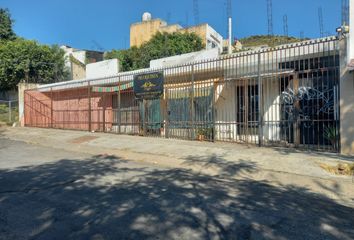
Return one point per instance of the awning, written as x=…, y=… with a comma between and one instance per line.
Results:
x=113, y=88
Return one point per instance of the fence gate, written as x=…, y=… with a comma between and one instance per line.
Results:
x=300, y=108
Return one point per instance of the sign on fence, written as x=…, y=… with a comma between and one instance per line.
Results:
x=149, y=85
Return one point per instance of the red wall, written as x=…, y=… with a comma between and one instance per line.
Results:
x=68, y=109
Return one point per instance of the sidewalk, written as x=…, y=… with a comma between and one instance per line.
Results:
x=274, y=165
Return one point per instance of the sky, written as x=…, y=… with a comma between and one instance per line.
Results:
x=104, y=25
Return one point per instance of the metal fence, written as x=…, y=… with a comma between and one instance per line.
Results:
x=284, y=96
x=8, y=111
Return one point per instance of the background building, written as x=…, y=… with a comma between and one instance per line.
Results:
x=76, y=60
x=142, y=32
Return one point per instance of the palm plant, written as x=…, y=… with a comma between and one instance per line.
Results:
x=330, y=133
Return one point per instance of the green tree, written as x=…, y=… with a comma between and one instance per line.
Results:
x=25, y=60
x=160, y=46
x=6, y=31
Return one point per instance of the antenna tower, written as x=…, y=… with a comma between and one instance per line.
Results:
x=270, y=17
x=345, y=13
x=196, y=11
x=320, y=21
x=285, y=25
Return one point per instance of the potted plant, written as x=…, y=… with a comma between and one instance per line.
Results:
x=205, y=133
x=200, y=134
x=330, y=133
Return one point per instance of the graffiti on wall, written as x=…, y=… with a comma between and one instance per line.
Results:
x=311, y=102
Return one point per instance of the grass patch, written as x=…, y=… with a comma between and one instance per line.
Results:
x=4, y=114
x=339, y=169
x=270, y=41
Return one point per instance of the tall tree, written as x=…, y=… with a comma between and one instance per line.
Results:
x=161, y=45
x=28, y=61
x=25, y=60
x=6, y=23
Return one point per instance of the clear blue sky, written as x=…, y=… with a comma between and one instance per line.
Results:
x=94, y=24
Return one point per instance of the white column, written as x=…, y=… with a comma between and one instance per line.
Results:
x=347, y=89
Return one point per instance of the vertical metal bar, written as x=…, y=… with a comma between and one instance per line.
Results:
x=260, y=103
x=119, y=108
x=297, y=107
x=166, y=117
x=145, y=117
x=51, y=107
x=337, y=54
x=213, y=109
x=89, y=106
x=192, y=105
x=104, y=112
x=10, y=112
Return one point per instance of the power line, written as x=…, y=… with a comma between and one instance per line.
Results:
x=285, y=25
x=270, y=16
x=320, y=21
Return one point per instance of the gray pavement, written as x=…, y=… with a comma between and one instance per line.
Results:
x=276, y=165
x=64, y=186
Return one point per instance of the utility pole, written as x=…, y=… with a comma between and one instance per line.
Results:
x=229, y=17
x=270, y=17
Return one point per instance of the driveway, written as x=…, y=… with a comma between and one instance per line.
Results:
x=47, y=193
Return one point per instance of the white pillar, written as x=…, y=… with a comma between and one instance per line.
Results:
x=347, y=88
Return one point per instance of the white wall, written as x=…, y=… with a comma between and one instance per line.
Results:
x=225, y=106
x=351, y=31
x=80, y=55
x=102, y=69
x=184, y=58
x=271, y=108
x=213, y=36
x=68, y=51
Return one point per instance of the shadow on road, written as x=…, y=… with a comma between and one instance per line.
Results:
x=104, y=197
x=225, y=168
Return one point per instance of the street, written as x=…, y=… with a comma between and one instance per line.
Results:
x=46, y=193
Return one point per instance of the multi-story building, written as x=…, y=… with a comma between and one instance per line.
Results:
x=143, y=31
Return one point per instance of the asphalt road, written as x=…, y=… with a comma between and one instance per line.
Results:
x=51, y=194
